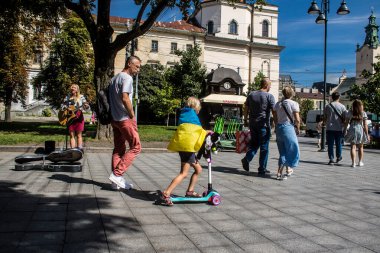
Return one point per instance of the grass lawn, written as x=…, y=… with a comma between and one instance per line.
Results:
x=15, y=133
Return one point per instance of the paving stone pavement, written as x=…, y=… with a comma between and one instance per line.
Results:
x=320, y=208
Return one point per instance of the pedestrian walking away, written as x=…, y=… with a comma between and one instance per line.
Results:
x=334, y=120
x=287, y=127
x=258, y=106
x=187, y=140
x=123, y=123
x=357, y=133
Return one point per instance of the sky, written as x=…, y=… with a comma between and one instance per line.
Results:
x=303, y=39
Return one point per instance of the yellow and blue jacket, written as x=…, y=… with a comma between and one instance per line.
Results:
x=190, y=135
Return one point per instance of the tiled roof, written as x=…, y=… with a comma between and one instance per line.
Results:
x=177, y=25
x=309, y=95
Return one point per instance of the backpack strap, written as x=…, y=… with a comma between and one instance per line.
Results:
x=337, y=113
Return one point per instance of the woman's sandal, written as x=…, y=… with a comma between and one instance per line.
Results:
x=165, y=200
x=193, y=194
x=289, y=172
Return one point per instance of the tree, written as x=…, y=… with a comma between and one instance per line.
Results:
x=369, y=92
x=28, y=33
x=151, y=80
x=13, y=74
x=187, y=76
x=305, y=106
x=256, y=85
x=71, y=60
x=105, y=47
x=164, y=103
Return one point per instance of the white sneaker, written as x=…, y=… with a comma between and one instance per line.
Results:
x=361, y=164
x=120, y=181
x=353, y=165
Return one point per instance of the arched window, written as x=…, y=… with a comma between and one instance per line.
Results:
x=210, y=27
x=265, y=28
x=233, y=27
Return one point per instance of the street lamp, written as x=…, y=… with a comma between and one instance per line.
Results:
x=322, y=19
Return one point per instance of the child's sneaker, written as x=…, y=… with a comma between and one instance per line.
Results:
x=360, y=164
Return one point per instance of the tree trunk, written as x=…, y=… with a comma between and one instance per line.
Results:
x=104, y=71
x=8, y=104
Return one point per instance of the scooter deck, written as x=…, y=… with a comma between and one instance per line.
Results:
x=54, y=167
x=183, y=199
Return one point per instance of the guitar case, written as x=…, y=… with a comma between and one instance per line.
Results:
x=65, y=160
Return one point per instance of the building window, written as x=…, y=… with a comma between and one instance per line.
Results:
x=265, y=28
x=56, y=30
x=210, y=27
x=37, y=58
x=233, y=27
x=265, y=69
x=189, y=46
x=173, y=47
x=154, y=46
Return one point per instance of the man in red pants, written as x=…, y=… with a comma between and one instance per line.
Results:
x=123, y=123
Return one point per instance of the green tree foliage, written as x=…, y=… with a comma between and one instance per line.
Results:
x=305, y=106
x=165, y=104
x=256, y=85
x=187, y=76
x=25, y=27
x=151, y=79
x=369, y=92
x=13, y=74
x=71, y=60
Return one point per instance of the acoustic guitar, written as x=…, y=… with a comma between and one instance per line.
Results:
x=68, y=115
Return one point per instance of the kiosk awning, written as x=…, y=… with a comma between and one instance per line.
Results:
x=224, y=99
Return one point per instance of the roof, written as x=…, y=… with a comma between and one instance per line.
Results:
x=224, y=99
x=309, y=95
x=176, y=25
x=345, y=85
x=220, y=75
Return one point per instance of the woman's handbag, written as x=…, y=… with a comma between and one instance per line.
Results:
x=243, y=138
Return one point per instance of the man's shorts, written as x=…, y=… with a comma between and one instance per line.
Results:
x=187, y=157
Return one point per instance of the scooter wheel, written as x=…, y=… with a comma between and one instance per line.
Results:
x=215, y=200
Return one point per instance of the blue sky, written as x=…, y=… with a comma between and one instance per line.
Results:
x=303, y=39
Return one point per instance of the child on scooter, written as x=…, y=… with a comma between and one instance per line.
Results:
x=184, y=142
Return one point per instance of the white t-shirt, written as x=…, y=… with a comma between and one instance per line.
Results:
x=121, y=83
x=291, y=107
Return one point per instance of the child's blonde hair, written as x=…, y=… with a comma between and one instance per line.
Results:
x=194, y=103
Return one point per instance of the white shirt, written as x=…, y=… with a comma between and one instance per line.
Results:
x=121, y=83
x=291, y=106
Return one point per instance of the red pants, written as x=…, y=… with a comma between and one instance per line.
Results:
x=124, y=131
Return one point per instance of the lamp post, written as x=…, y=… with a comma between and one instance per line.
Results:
x=322, y=19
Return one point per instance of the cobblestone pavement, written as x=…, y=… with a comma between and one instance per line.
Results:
x=320, y=208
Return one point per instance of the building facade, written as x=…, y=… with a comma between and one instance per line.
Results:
x=238, y=37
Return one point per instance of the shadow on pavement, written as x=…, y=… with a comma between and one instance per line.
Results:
x=136, y=194
x=59, y=222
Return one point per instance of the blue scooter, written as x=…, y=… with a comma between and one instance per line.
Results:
x=210, y=196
